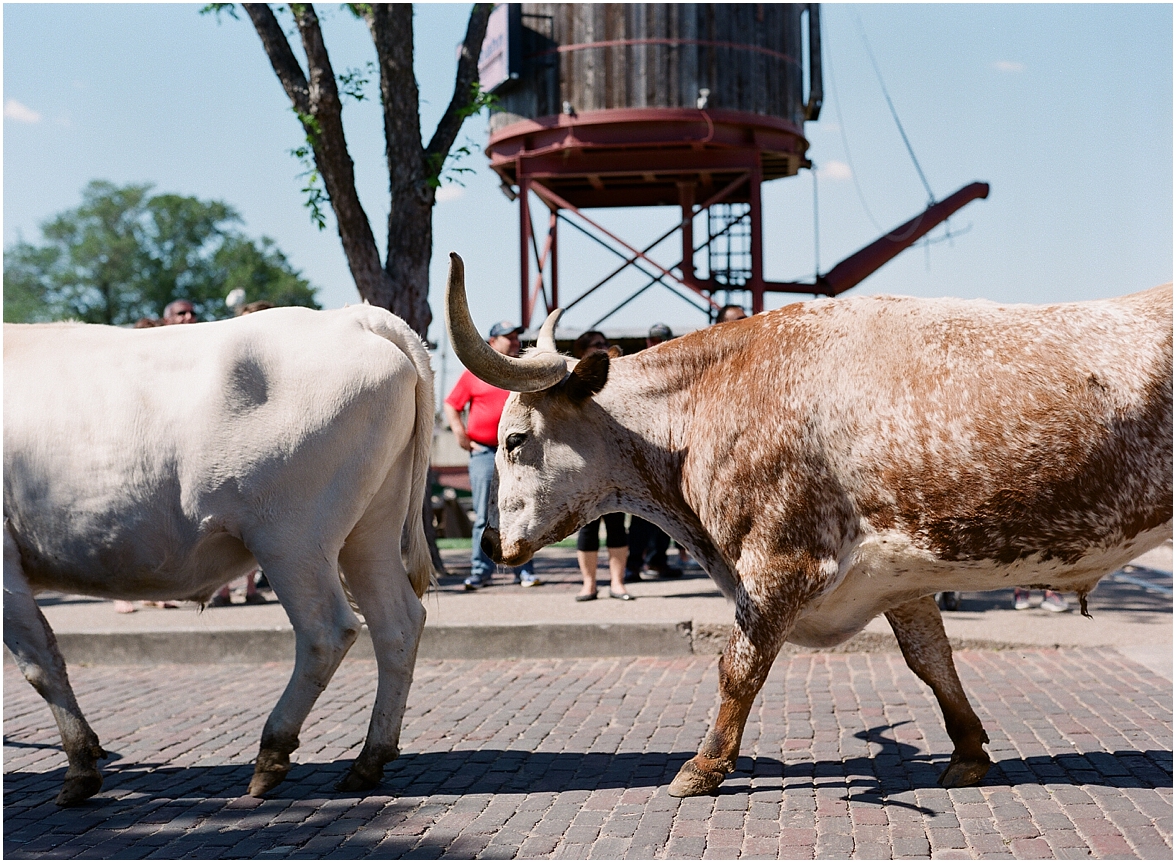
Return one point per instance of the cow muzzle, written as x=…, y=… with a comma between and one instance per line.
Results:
x=492, y=544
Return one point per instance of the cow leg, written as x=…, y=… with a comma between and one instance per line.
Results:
x=28, y=636
x=761, y=625
x=918, y=626
x=324, y=629
x=395, y=618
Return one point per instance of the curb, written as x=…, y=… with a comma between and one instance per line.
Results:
x=519, y=641
x=524, y=641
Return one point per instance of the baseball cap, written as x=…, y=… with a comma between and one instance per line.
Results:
x=504, y=328
x=660, y=331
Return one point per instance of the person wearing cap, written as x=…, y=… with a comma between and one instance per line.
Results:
x=478, y=434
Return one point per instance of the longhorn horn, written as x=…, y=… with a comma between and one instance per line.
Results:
x=546, y=338
x=528, y=374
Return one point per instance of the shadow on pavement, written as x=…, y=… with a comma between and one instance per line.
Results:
x=899, y=767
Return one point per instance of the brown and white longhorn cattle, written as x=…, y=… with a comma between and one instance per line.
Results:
x=162, y=463
x=838, y=459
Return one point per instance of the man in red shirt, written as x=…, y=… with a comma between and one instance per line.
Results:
x=479, y=435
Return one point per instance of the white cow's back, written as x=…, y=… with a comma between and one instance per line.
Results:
x=135, y=460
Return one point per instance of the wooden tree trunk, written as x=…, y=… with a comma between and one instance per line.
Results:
x=402, y=283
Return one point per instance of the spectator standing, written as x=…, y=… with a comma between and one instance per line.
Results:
x=648, y=543
x=730, y=313
x=179, y=312
x=588, y=540
x=1050, y=601
x=479, y=436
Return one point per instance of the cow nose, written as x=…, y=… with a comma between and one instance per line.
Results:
x=491, y=544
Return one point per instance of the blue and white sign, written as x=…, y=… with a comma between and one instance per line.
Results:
x=499, y=61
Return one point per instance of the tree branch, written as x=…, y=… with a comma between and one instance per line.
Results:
x=281, y=57
x=321, y=113
x=463, y=93
x=391, y=29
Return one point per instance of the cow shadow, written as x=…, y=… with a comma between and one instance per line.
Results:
x=897, y=767
x=209, y=801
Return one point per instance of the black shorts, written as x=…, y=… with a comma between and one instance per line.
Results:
x=614, y=531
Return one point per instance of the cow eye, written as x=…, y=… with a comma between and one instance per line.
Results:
x=514, y=440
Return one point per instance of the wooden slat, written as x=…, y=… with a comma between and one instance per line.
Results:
x=659, y=75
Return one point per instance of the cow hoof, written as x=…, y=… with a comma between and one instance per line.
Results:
x=263, y=783
x=359, y=780
x=272, y=767
x=693, y=781
x=962, y=772
x=79, y=787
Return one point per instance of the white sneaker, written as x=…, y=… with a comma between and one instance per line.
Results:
x=1020, y=599
x=1054, y=602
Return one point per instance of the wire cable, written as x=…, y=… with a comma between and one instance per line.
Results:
x=862, y=32
x=827, y=61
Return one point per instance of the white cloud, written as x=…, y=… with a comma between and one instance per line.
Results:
x=834, y=170
x=449, y=193
x=14, y=110
x=1008, y=66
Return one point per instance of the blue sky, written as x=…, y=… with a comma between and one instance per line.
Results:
x=1066, y=110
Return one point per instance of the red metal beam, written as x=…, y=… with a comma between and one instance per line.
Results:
x=525, y=252
x=870, y=259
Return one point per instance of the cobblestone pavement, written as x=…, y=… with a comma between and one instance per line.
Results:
x=570, y=759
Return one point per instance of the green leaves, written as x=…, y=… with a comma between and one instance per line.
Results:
x=353, y=83
x=316, y=194
x=440, y=167
x=218, y=8
x=124, y=254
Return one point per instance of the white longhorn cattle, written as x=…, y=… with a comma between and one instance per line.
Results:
x=161, y=463
x=838, y=459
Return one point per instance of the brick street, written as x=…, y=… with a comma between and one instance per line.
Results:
x=571, y=759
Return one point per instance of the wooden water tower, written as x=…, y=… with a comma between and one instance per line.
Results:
x=653, y=104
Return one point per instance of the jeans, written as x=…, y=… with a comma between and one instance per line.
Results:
x=481, y=478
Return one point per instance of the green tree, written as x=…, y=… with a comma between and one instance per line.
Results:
x=125, y=254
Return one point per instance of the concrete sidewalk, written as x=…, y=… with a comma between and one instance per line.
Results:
x=680, y=617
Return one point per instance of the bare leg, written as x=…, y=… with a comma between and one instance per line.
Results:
x=918, y=626
x=616, y=569
x=28, y=636
x=587, y=561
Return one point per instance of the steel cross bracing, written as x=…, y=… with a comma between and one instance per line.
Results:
x=845, y=275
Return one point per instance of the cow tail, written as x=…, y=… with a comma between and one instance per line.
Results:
x=414, y=545
x=417, y=559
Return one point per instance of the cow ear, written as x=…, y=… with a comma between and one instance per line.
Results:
x=614, y=351
x=588, y=377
